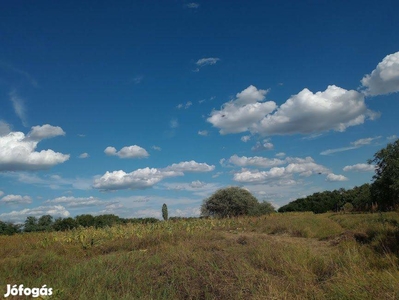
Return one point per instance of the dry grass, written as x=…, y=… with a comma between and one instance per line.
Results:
x=281, y=256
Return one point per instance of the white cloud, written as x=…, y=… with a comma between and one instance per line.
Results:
x=332, y=177
x=127, y=152
x=138, y=179
x=280, y=154
x=207, y=61
x=216, y=175
x=360, y=168
x=240, y=114
x=156, y=148
x=197, y=184
x=203, y=132
x=19, y=106
x=245, y=138
x=4, y=128
x=334, y=109
x=250, y=95
x=190, y=166
x=147, y=177
x=46, y=131
x=356, y=144
x=262, y=146
x=331, y=151
x=77, y=201
x=185, y=106
x=384, y=79
x=20, y=216
x=17, y=153
x=305, y=113
x=84, y=155
x=192, y=5
x=363, y=142
x=16, y=199
x=283, y=175
x=256, y=161
x=392, y=137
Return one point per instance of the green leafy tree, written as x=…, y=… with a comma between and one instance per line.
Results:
x=45, y=223
x=31, y=224
x=164, y=212
x=385, y=188
x=229, y=202
x=263, y=208
x=61, y=224
x=7, y=228
x=85, y=220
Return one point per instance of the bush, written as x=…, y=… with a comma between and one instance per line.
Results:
x=229, y=202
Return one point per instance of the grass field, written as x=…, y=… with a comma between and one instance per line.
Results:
x=280, y=256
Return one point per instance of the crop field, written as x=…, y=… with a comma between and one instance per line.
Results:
x=278, y=256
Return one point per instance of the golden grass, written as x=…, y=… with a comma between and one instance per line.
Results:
x=281, y=256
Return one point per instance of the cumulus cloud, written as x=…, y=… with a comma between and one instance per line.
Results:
x=156, y=148
x=46, y=131
x=301, y=166
x=265, y=145
x=19, y=106
x=280, y=154
x=77, y=201
x=360, y=168
x=20, y=216
x=207, y=61
x=17, y=153
x=203, y=132
x=4, y=128
x=332, y=177
x=16, y=199
x=240, y=114
x=84, y=155
x=304, y=113
x=138, y=179
x=190, y=166
x=147, y=177
x=334, y=109
x=255, y=161
x=127, y=152
x=384, y=79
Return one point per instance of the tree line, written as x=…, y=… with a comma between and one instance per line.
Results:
x=48, y=223
x=382, y=194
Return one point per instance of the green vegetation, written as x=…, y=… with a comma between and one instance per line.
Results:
x=232, y=202
x=358, y=197
x=164, y=212
x=279, y=256
x=382, y=194
x=385, y=188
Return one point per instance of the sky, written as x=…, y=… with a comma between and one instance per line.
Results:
x=119, y=107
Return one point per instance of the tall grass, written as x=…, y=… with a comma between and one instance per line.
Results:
x=281, y=256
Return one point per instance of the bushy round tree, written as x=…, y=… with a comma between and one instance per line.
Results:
x=229, y=202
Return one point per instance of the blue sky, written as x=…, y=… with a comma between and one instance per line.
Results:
x=120, y=107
